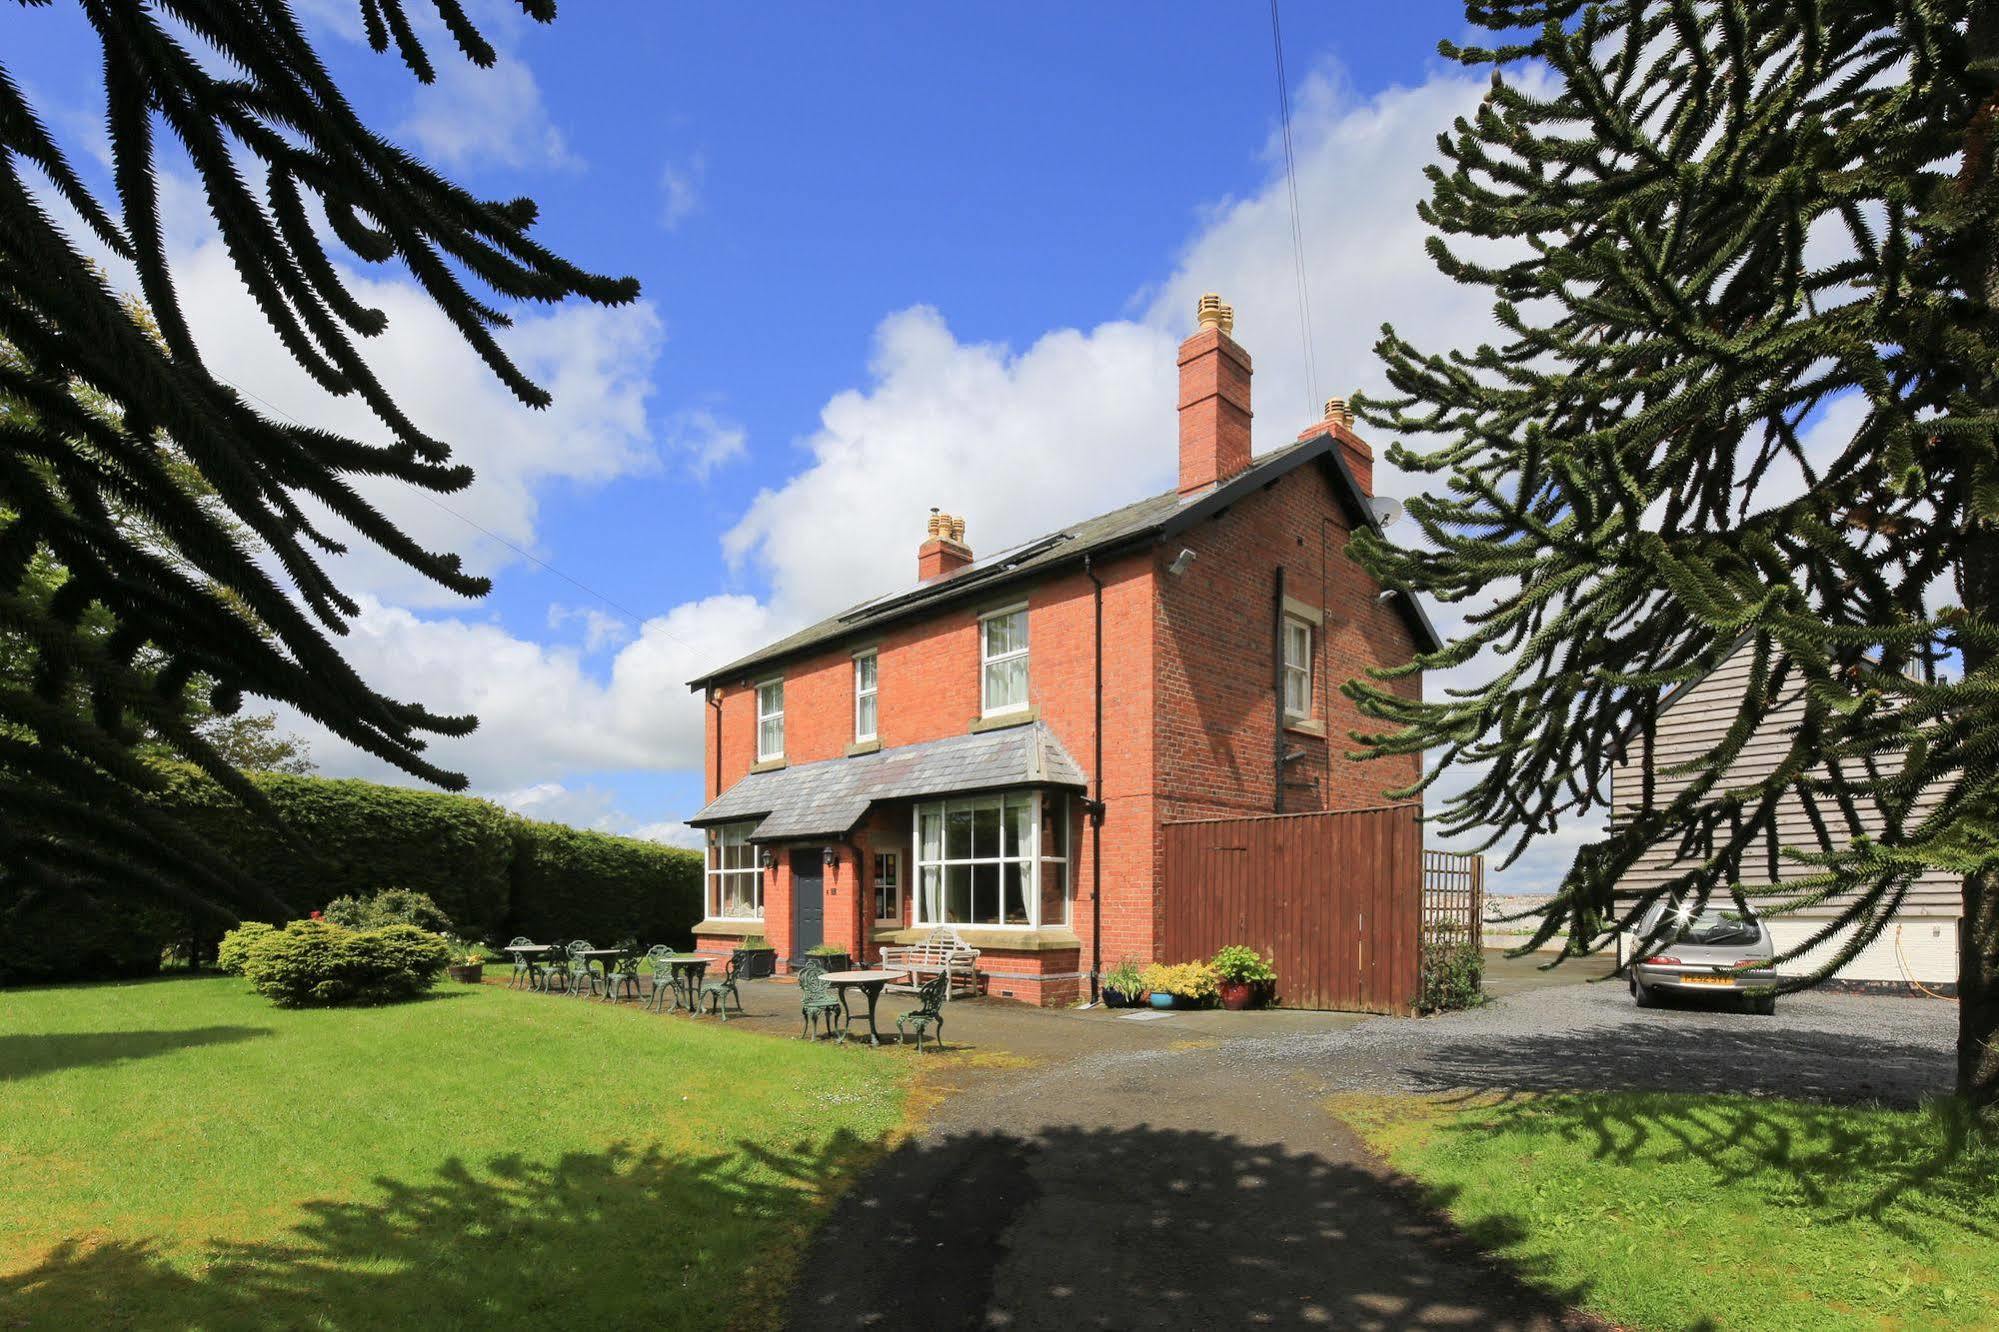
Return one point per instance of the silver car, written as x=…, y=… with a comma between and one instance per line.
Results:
x=1712, y=952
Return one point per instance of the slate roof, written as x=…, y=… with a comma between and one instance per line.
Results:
x=1156, y=518
x=827, y=798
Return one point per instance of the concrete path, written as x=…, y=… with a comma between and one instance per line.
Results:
x=1143, y=1175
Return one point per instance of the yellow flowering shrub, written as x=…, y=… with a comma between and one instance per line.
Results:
x=1188, y=980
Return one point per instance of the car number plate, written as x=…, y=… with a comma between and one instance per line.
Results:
x=1705, y=980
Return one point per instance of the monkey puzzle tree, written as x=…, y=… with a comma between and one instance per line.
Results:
x=132, y=623
x=1723, y=227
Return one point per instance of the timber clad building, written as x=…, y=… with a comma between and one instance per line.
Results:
x=1918, y=948
x=999, y=745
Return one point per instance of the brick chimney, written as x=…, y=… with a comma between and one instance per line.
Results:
x=1338, y=423
x=1214, y=400
x=944, y=551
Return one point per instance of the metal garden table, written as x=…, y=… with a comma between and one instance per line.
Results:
x=868, y=982
x=604, y=958
x=688, y=970
x=525, y=951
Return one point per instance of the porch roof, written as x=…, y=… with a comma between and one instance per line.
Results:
x=828, y=798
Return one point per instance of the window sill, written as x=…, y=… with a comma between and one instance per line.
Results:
x=1000, y=721
x=1306, y=726
x=769, y=765
x=740, y=926
x=999, y=938
x=860, y=747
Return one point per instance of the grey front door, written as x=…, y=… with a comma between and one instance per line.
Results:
x=808, y=904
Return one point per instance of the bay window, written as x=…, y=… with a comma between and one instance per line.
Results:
x=1003, y=661
x=735, y=881
x=770, y=720
x=998, y=860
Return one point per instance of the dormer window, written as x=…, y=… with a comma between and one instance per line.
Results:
x=770, y=721
x=1003, y=661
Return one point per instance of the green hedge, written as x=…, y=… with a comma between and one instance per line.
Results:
x=355, y=838
x=47, y=937
x=492, y=873
x=570, y=883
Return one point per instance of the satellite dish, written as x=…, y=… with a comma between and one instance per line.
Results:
x=1385, y=510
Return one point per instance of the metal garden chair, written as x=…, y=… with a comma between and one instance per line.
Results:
x=816, y=1000
x=582, y=977
x=523, y=970
x=716, y=992
x=929, y=1011
x=621, y=975
x=550, y=970
x=658, y=963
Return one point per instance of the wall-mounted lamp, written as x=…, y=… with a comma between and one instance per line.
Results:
x=829, y=857
x=767, y=860
x=1386, y=593
x=1180, y=562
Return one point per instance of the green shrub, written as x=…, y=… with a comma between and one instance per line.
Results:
x=1125, y=978
x=1453, y=975
x=391, y=906
x=235, y=947
x=312, y=963
x=751, y=942
x=1187, y=980
x=570, y=882
x=1243, y=965
x=78, y=935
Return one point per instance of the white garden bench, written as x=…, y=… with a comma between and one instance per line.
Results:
x=944, y=952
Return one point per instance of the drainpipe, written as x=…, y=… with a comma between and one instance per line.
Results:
x=1096, y=806
x=1277, y=719
x=715, y=702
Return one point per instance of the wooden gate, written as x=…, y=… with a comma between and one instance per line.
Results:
x=1334, y=898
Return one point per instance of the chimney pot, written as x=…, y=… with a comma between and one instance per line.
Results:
x=1338, y=422
x=944, y=551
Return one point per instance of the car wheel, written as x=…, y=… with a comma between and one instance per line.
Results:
x=1641, y=994
x=1766, y=1005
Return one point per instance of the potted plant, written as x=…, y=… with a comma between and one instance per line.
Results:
x=830, y=957
x=1182, y=985
x=1240, y=973
x=1124, y=986
x=467, y=968
x=763, y=958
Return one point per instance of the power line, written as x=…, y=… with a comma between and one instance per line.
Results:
x=1297, y=228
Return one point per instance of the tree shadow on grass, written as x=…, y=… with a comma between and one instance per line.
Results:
x=1130, y=1228
x=621, y=1238
x=27, y=1056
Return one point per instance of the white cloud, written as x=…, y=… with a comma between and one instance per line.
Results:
x=680, y=190
x=601, y=629
x=541, y=712
x=671, y=834
x=552, y=802
x=472, y=115
x=703, y=440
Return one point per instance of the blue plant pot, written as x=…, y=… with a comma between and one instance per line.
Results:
x=1161, y=999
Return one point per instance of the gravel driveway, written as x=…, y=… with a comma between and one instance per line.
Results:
x=1837, y=1048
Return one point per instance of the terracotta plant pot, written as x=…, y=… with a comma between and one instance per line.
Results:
x=468, y=974
x=1235, y=995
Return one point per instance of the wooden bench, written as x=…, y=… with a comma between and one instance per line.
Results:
x=945, y=952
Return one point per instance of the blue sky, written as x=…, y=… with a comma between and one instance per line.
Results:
x=891, y=257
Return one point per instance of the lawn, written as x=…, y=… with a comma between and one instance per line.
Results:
x=180, y=1153
x=1666, y=1211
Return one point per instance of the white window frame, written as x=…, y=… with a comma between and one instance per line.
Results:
x=1300, y=672
x=767, y=755
x=987, y=660
x=720, y=840
x=870, y=694
x=1035, y=857
x=894, y=858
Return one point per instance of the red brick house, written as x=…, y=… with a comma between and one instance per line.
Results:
x=998, y=745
